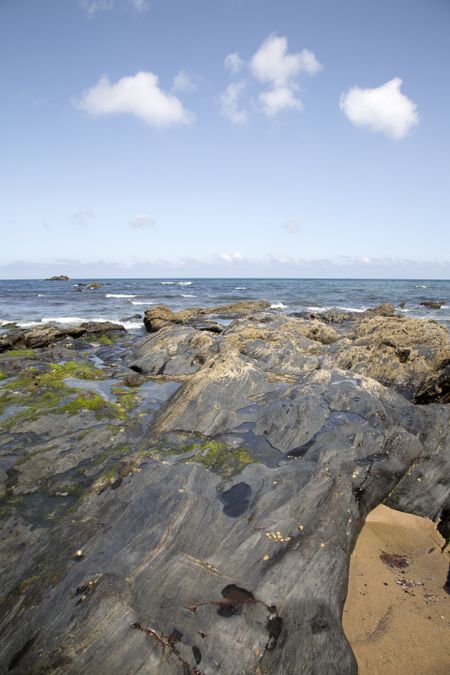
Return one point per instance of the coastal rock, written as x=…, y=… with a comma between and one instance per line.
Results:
x=436, y=386
x=58, y=277
x=396, y=351
x=433, y=304
x=45, y=335
x=177, y=350
x=159, y=316
x=208, y=528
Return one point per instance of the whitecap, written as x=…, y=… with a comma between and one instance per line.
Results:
x=142, y=302
x=278, y=305
x=240, y=288
x=188, y=295
x=357, y=310
x=131, y=325
x=313, y=308
x=119, y=295
x=185, y=283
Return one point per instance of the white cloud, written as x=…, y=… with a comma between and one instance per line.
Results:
x=381, y=109
x=292, y=226
x=183, y=82
x=94, y=6
x=229, y=102
x=81, y=217
x=140, y=5
x=277, y=99
x=139, y=95
x=235, y=256
x=233, y=63
x=141, y=222
x=273, y=65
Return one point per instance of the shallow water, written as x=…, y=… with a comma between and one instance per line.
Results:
x=30, y=302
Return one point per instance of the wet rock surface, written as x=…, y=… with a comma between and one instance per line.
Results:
x=187, y=501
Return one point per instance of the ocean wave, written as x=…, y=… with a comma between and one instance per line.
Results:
x=278, y=305
x=67, y=320
x=131, y=325
x=358, y=310
x=240, y=288
x=188, y=295
x=142, y=302
x=313, y=308
x=176, y=283
x=120, y=295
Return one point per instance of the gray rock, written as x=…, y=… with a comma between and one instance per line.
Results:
x=209, y=529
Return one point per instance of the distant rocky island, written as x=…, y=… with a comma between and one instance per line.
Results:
x=187, y=501
x=58, y=277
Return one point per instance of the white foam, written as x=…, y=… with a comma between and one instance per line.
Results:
x=278, y=305
x=67, y=320
x=142, y=302
x=131, y=325
x=240, y=288
x=119, y=295
x=313, y=308
x=358, y=310
x=188, y=295
x=176, y=283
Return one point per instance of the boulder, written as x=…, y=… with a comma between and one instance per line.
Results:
x=433, y=304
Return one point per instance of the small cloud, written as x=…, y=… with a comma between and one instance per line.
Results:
x=381, y=109
x=280, y=70
x=235, y=256
x=183, y=82
x=233, y=63
x=141, y=222
x=277, y=99
x=292, y=226
x=81, y=218
x=139, y=95
x=92, y=7
x=273, y=64
x=229, y=102
x=140, y=5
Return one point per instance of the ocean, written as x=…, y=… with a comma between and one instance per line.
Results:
x=32, y=302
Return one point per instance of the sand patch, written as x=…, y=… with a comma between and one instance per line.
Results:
x=397, y=618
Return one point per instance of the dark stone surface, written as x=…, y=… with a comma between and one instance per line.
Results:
x=202, y=521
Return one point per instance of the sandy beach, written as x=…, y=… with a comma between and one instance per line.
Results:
x=398, y=620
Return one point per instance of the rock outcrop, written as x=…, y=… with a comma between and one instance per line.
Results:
x=202, y=521
x=45, y=335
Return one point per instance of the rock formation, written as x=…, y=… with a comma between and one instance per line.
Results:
x=188, y=502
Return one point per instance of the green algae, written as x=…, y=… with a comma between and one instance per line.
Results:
x=21, y=353
x=218, y=457
x=47, y=392
x=126, y=399
x=106, y=341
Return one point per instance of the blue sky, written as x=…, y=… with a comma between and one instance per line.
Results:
x=130, y=145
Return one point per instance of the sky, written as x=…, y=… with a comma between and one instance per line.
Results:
x=284, y=138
